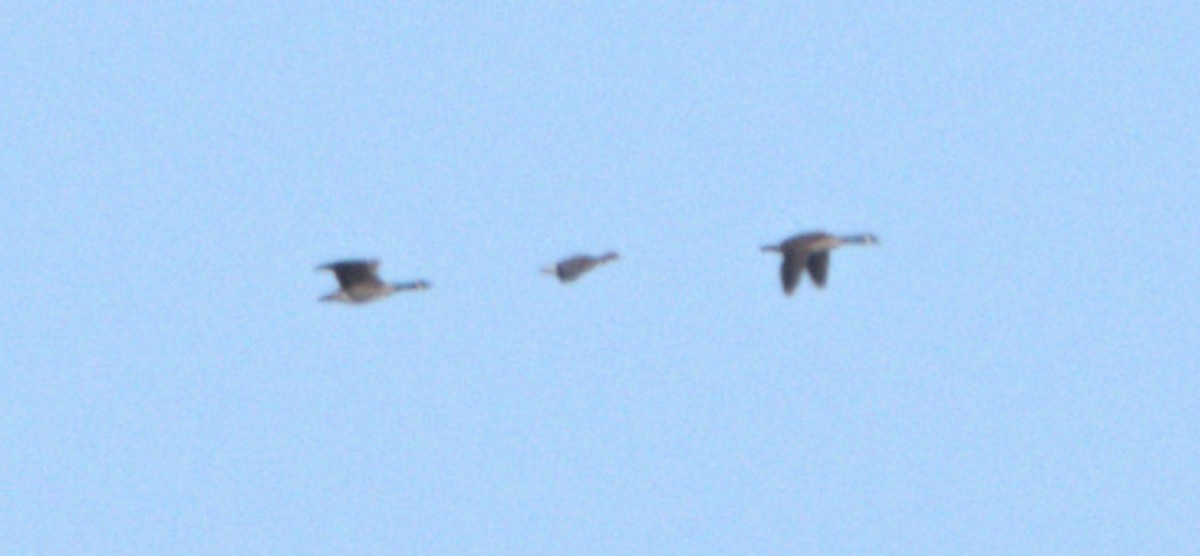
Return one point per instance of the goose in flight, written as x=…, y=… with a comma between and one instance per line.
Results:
x=361, y=284
x=811, y=251
x=570, y=269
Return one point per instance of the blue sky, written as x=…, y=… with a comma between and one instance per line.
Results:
x=1012, y=371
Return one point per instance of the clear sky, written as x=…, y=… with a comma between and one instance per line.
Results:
x=1014, y=370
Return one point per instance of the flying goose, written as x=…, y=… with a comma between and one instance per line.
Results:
x=811, y=251
x=570, y=269
x=361, y=284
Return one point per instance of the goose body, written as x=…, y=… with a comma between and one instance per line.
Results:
x=810, y=251
x=570, y=269
x=360, y=282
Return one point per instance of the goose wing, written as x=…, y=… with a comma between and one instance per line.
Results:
x=792, y=268
x=574, y=267
x=355, y=273
x=818, y=267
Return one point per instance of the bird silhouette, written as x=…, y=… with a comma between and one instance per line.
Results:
x=361, y=284
x=810, y=251
x=570, y=269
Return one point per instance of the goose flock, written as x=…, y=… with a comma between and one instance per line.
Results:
x=360, y=283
